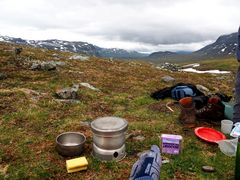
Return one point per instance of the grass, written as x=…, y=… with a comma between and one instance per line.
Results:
x=30, y=122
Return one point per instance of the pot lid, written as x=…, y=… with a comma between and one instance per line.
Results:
x=109, y=124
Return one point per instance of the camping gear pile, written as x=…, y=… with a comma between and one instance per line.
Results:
x=108, y=143
x=195, y=105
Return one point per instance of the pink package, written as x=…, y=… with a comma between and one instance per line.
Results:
x=171, y=144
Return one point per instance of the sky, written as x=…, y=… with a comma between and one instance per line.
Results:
x=141, y=25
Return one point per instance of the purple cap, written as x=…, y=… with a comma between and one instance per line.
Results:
x=171, y=136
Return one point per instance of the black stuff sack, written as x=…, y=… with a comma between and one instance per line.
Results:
x=177, y=92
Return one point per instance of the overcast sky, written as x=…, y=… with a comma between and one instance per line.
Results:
x=142, y=25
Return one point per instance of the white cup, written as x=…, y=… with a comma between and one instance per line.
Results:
x=226, y=126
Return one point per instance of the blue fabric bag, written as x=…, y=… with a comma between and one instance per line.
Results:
x=180, y=92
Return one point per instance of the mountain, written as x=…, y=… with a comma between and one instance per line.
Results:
x=224, y=46
x=76, y=46
x=162, y=54
x=119, y=53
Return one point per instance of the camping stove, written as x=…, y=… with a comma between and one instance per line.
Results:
x=109, y=138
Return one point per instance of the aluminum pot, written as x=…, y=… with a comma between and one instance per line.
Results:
x=109, y=132
x=70, y=143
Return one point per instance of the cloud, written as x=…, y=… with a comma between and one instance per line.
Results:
x=125, y=24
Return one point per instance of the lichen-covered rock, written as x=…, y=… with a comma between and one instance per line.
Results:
x=44, y=66
x=48, y=66
x=68, y=93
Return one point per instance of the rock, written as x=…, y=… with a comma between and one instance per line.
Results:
x=3, y=76
x=89, y=86
x=168, y=79
x=128, y=136
x=48, y=66
x=202, y=88
x=79, y=57
x=208, y=168
x=44, y=66
x=68, y=93
x=55, y=55
x=35, y=66
x=139, y=138
x=165, y=160
x=58, y=63
x=85, y=123
x=68, y=101
x=168, y=66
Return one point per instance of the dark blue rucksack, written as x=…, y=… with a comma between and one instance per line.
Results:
x=180, y=92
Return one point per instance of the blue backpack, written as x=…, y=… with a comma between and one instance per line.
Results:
x=180, y=92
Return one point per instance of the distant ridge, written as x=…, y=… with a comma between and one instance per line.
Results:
x=77, y=47
x=224, y=46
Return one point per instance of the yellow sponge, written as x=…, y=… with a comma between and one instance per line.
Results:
x=77, y=164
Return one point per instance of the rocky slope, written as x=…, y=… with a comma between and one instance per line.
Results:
x=224, y=46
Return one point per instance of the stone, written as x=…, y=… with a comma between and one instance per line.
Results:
x=44, y=66
x=139, y=138
x=57, y=63
x=168, y=79
x=48, y=66
x=68, y=93
x=168, y=66
x=68, y=101
x=202, y=88
x=128, y=136
x=208, y=168
x=35, y=66
x=165, y=160
x=85, y=123
x=3, y=76
x=89, y=86
x=56, y=55
x=79, y=57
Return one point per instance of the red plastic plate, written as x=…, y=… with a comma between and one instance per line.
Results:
x=209, y=134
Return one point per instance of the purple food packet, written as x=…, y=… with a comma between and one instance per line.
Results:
x=171, y=144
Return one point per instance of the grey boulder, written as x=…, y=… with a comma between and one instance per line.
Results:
x=68, y=93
